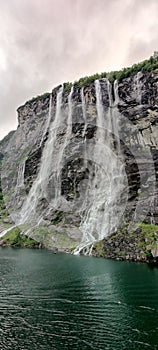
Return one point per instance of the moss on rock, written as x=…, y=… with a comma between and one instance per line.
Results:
x=14, y=238
x=138, y=245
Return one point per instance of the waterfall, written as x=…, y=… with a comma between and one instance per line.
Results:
x=49, y=176
x=138, y=97
x=85, y=126
x=48, y=120
x=83, y=111
x=3, y=233
x=116, y=94
x=20, y=178
x=66, y=139
x=39, y=187
x=138, y=87
x=100, y=113
x=102, y=208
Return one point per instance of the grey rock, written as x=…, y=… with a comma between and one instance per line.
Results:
x=25, y=146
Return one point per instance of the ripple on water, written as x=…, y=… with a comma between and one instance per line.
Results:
x=64, y=302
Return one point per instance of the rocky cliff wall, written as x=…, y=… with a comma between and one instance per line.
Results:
x=134, y=102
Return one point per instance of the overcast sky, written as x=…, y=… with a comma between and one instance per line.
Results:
x=46, y=42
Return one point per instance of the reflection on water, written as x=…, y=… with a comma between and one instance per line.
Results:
x=50, y=301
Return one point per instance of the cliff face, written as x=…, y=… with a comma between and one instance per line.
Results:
x=100, y=137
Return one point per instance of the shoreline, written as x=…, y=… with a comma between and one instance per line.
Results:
x=141, y=245
x=151, y=262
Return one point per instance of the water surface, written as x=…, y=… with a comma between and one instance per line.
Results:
x=61, y=301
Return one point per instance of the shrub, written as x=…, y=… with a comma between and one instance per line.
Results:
x=145, y=66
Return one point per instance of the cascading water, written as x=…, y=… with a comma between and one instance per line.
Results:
x=20, y=178
x=39, y=188
x=48, y=120
x=3, y=233
x=66, y=139
x=83, y=111
x=102, y=208
x=53, y=153
x=138, y=97
x=138, y=87
x=85, y=125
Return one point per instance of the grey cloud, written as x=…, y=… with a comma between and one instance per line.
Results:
x=47, y=42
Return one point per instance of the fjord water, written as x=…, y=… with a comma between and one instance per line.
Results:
x=60, y=301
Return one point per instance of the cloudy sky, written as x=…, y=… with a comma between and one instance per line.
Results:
x=46, y=42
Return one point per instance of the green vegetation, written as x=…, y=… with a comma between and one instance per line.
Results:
x=40, y=234
x=63, y=241
x=14, y=238
x=40, y=97
x=148, y=230
x=89, y=80
x=52, y=238
x=149, y=65
x=122, y=253
x=100, y=249
x=137, y=245
x=67, y=86
x=148, y=238
x=144, y=66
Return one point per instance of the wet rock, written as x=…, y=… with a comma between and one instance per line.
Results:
x=154, y=251
x=138, y=107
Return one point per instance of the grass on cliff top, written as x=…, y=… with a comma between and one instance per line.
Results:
x=14, y=238
x=40, y=97
x=149, y=65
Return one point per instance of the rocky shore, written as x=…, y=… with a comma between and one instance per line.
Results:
x=140, y=246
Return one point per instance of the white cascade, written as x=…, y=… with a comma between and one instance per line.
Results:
x=48, y=120
x=64, y=144
x=20, y=177
x=116, y=101
x=102, y=207
x=138, y=96
x=39, y=187
x=85, y=126
x=83, y=111
x=138, y=87
x=3, y=233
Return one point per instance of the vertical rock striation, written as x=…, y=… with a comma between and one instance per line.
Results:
x=84, y=161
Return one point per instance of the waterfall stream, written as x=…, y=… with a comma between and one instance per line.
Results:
x=102, y=207
x=64, y=144
x=48, y=120
x=85, y=126
x=83, y=111
x=39, y=187
x=51, y=164
x=138, y=87
x=20, y=178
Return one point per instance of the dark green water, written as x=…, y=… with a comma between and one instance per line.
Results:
x=50, y=301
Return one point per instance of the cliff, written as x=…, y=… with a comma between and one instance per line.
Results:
x=83, y=166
